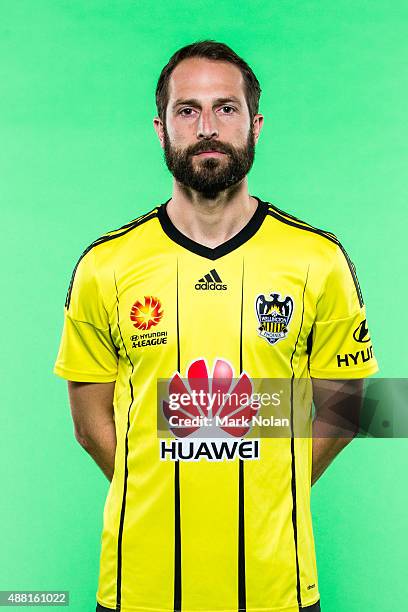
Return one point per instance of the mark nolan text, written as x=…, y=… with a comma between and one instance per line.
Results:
x=200, y=421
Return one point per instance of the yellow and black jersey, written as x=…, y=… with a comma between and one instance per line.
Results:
x=215, y=531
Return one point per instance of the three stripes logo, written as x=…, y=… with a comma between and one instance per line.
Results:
x=210, y=282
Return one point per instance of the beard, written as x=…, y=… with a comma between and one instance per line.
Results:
x=209, y=175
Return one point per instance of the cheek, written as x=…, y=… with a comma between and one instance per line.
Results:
x=184, y=133
x=239, y=136
x=235, y=131
x=181, y=132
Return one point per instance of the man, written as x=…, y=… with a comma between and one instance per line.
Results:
x=213, y=284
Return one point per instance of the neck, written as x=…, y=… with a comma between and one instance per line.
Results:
x=211, y=222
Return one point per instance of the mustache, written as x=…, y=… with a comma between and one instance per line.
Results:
x=214, y=145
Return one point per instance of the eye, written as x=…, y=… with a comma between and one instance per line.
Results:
x=186, y=112
x=227, y=109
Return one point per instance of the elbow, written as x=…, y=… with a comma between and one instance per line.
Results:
x=82, y=439
x=345, y=441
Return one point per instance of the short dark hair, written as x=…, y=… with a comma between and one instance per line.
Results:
x=212, y=50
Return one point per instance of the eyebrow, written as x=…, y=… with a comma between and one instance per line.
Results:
x=195, y=102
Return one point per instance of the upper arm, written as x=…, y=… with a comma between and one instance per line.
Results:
x=87, y=352
x=338, y=404
x=91, y=406
x=87, y=356
x=340, y=342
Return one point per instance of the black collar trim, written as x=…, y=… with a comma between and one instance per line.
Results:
x=233, y=243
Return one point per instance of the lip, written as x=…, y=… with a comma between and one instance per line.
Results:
x=209, y=154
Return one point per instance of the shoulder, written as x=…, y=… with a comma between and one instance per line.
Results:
x=299, y=236
x=315, y=243
x=297, y=228
x=111, y=237
x=106, y=246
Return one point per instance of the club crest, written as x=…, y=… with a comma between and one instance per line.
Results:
x=274, y=315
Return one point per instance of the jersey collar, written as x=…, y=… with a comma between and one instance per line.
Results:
x=233, y=243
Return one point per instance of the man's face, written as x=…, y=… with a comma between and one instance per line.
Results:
x=208, y=137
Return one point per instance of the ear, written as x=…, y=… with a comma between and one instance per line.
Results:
x=159, y=128
x=257, y=124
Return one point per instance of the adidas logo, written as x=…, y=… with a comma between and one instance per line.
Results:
x=210, y=282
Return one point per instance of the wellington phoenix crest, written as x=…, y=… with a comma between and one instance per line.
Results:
x=274, y=315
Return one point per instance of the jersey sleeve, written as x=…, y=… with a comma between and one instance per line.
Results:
x=86, y=352
x=340, y=340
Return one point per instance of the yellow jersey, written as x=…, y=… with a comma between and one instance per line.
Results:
x=207, y=527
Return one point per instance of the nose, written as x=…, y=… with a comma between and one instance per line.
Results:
x=207, y=127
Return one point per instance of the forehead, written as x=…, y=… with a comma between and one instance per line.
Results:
x=199, y=77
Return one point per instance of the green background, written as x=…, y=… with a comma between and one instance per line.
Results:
x=78, y=156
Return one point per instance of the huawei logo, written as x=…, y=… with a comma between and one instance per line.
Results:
x=146, y=314
x=206, y=406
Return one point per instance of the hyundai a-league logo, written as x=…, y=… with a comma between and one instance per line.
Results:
x=274, y=315
x=147, y=313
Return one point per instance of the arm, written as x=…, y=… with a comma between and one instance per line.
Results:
x=338, y=404
x=94, y=425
